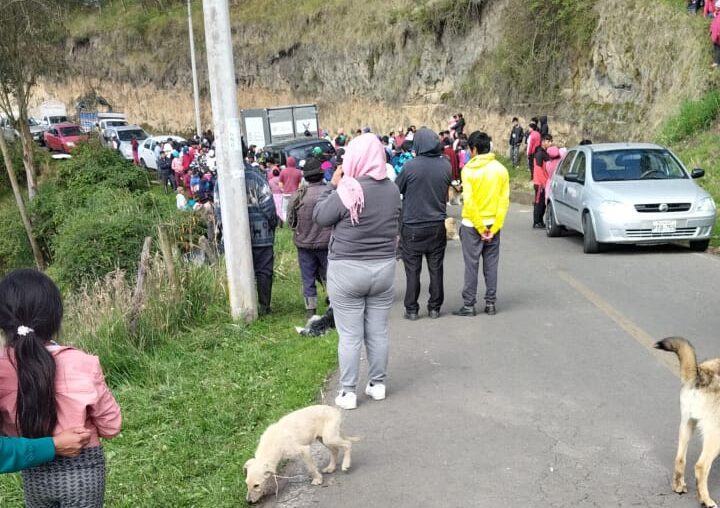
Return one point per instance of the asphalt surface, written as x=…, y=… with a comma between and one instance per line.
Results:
x=557, y=401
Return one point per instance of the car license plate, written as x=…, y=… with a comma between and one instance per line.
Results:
x=664, y=226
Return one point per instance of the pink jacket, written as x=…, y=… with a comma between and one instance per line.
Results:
x=556, y=156
x=81, y=395
x=715, y=30
x=533, y=143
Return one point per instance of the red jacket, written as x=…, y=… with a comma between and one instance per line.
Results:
x=709, y=8
x=533, y=143
x=715, y=30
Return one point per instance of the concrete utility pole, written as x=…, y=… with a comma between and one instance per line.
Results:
x=196, y=90
x=231, y=169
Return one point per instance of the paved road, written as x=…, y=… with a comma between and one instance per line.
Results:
x=555, y=402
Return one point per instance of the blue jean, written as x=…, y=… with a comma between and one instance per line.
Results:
x=313, y=268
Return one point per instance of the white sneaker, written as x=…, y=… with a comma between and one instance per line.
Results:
x=375, y=391
x=346, y=400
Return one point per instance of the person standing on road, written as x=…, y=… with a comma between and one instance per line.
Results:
x=540, y=178
x=517, y=134
x=310, y=238
x=533, y=143
x=363, y=213
x=486, y=194
x=424, y=185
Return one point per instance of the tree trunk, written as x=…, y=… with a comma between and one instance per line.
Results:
x=39, y=261
x=139, y=294
x=27, y=146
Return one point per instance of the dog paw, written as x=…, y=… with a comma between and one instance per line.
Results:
x=329, y=469
x=709, y=504
x=345, y=469
x=680, y=487
x=317, y=480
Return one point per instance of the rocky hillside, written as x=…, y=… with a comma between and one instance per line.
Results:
x=610, y=69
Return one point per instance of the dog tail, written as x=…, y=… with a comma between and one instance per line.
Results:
x=686, y=354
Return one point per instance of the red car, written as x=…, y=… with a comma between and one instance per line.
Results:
x=64, y=137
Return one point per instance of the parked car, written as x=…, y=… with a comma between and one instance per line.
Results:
x=300, y=149
x=64, y=137
x=7, y=131
x=125, y=135
x=104, y=124
x=629, y=193
x=147, y=149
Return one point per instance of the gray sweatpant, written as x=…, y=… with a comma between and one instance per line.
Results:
x=473, y=248
x=362, y=294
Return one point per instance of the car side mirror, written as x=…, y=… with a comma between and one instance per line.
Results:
x=697, y=173
x=573, y=178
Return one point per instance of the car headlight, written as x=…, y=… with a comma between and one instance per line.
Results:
x=70, y=143
x=706, y=205
x=610, y=206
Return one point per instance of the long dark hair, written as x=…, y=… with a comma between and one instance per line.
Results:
x=31, y=311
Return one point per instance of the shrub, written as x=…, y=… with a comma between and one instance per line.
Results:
x=93, y=165
x=693, y=117
x=105, y=234
x=15, y=249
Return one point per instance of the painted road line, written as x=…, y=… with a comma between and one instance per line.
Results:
x=631, y=328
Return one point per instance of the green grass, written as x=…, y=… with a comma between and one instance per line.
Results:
x=197, y=402
x=693, y=117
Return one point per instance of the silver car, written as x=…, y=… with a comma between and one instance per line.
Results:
x=628, y=193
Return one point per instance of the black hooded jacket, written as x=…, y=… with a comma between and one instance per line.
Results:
x=424, y=182
x=544, y=128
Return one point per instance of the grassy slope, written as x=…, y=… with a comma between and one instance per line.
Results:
x=195, y=411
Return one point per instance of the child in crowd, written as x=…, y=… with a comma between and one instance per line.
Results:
x=46, y=388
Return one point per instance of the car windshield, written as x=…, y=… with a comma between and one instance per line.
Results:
x=71, y=131
x=303, y=152
x=636, y=164
x=32, y=122
x=57, y=119
x=128, y=135
x=116, y=123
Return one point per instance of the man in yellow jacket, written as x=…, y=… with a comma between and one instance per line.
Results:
x=486, y=196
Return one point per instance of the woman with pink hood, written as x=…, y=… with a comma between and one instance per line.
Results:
x=363, y=208
x=556, y=156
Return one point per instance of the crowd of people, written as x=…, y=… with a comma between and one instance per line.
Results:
x=355, y=211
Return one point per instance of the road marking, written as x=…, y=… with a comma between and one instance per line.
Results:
x=635, y=331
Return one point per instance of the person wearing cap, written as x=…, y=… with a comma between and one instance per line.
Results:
x=310, y=238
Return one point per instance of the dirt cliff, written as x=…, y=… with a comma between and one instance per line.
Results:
x=609, y=69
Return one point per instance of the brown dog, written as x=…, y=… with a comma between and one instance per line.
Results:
x=699, y=407
x=291, y=437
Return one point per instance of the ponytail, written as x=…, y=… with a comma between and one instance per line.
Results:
x=36, y=414
x=30, y=315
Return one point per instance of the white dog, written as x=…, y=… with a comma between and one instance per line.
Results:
x=291, y=437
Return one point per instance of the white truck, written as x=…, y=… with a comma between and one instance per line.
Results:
x=267, y=126
x=50, y=113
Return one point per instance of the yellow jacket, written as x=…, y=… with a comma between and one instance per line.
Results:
x=486, y=192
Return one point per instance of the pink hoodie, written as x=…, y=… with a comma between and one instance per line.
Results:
x=81, y=396
x=715, y=30
x=556, y=156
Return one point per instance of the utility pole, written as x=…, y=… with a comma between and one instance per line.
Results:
x=231, y=169
x=196, y=91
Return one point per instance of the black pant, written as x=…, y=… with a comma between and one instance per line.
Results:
x=539, y=209
x=263, y=263
x=429, y=241
x=716, y=53
x=531, y=165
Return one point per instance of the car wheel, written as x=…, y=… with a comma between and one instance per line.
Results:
x=552, y=228
x=142, y=164
x=590, y=243
x=699, y=245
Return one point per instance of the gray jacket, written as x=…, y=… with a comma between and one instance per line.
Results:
x=375, y=236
